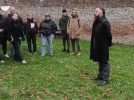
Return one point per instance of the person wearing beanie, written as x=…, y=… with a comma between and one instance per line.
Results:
x=63, y=22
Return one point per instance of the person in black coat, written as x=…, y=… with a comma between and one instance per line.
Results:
x=3, y=36
x=63, y=22
x=101, y=40
x=31, y=30
x=16, y=35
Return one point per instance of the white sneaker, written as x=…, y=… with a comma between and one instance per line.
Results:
x=6, y=55
x=2, y=61
x=24, y=62
x=72, y=53
x=78, y=54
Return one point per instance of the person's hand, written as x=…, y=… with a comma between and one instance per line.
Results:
x=12, y=39
x=78, y=35
x=23, y=39
x=1, y=30
x=20, y=38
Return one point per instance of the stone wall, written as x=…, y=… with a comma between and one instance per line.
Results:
x=119, y=13
x=71, y=3
x=122, y=20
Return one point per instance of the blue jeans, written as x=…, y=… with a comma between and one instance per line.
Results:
x=47, y=45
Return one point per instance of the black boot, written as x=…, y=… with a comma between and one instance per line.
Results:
x=64, y=50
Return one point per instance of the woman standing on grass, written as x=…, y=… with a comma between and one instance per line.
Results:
x=101, y=40
x=74, y=26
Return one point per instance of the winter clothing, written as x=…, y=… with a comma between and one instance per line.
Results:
x=74, y=26
x=31, y=29
x=47, y=30
x=16, y=35
x=101, y=40
x=63, y=22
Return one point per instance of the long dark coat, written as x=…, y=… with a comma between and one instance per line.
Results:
x=16, y=31
x=101, y=40
x=2, y=28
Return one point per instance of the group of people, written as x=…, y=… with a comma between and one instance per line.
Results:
x=13, y=29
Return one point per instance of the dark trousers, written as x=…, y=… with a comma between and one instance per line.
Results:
x=31, y=41
x=16, y=51
x=3, y=43
x=75, y=45
x=104, y=71
x=1, y=57
x=66, y=41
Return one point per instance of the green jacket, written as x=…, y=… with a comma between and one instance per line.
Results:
x=63, y=22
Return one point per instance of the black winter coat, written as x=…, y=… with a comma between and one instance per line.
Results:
x=101, y=40
x=48, y=27
x=17, y=29
x=31, y=28
x=63, y=22
x=2, y=27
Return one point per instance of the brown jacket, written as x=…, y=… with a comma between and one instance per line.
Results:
x=74, y=28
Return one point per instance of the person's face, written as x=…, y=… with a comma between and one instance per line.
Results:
x=47, y=18
x=98, y=12
x=30, y=16
x=65, y=14
x=15, y=16
x=12, y=12
x=74, y=14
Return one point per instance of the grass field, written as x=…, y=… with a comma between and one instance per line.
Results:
x=65, y=77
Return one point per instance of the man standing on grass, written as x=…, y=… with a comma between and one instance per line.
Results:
x=16, y=36
x=47, y=30
x=101, y=40
x=63, y=22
